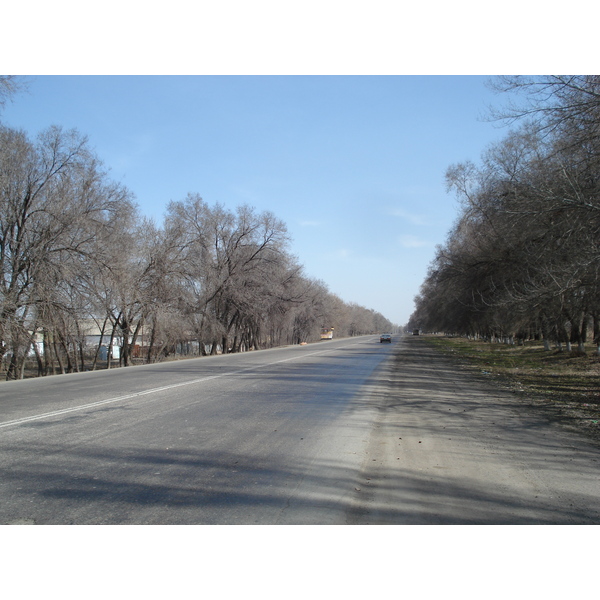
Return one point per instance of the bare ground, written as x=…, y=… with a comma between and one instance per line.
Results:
x=452, y=444
x=563, y=386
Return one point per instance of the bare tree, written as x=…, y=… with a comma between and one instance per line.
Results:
x=74, y=252
x=523, y=254
x=56, y=206
x=231, y=259
x=10, y=86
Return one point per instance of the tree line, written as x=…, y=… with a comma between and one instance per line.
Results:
x=522, y=260
x=77, y=256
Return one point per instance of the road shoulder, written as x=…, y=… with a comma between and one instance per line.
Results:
x=447, y=447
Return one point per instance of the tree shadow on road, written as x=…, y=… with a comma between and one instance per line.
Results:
x=416, y=404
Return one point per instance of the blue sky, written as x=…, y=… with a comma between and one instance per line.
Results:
x=354, y=165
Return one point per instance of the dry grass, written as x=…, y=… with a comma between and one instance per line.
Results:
x=568, y=383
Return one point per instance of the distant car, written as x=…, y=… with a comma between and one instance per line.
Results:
x=385, y=337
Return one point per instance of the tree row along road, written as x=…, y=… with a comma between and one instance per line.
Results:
x=347, y=431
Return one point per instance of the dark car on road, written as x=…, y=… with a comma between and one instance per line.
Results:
x=385, y=337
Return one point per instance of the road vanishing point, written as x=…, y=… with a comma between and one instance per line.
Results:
x=346, y=431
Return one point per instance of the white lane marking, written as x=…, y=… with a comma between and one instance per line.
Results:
x=63, y=411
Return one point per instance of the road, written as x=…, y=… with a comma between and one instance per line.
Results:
x=341, y=432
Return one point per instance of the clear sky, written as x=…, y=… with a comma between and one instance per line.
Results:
x=354, y=165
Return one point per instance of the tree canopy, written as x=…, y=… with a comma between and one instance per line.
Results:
x=80, y=268
x=523, y=257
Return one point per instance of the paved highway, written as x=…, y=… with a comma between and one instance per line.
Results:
x=275, y=436
x=341, y=432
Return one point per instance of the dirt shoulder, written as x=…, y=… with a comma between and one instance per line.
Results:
x=564, y=385
x=454, y=443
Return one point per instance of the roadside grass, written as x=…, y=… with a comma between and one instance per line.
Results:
x=568, y=382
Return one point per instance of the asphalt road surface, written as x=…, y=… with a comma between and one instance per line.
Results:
x=341, y=432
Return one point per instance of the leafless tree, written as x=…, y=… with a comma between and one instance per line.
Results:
x=74, y=252
x=524, y=252
x=10, y=86
x=56, y=205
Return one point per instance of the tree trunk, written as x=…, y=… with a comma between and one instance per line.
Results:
x=38, y=357
x=149, y=358
x=96, y=354
x=110, y=346
x=125, y=350
x=80, y=343
x=57, y=355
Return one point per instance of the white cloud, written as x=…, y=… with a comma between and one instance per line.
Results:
x=410, y=217
x=341, y=254
x=412, y=241
x=138, y=148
